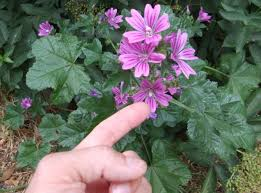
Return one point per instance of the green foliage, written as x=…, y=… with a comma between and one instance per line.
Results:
x=166, y=173
x=55, y=68
x=217, y=112
x=14, y=117
x=30, y=153
x=210, y=182
x=246, y=176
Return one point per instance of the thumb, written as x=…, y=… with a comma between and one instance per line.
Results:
x=91, y=164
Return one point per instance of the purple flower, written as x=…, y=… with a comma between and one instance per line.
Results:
x=180, y=54
x=170, y=37
x=119, y=97
x=94, y=93
x=153, y=116
x=153, y=94
x=174, y=90
x=149, y=27
x=112, y=19
x=26, y=103
x=203, y=16
x=45, y=29
x=169, y=78
x=177, y=70
x=138, y=56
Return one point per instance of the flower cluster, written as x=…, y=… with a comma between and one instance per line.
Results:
x=138, y=52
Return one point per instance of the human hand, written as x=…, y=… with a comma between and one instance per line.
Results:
x=93, y=166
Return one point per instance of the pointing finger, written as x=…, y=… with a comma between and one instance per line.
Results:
x=115, y=127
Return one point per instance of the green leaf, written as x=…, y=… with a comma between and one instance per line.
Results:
x=255, y=50
x=221, y=135
x=233, y=14
x=210, y=182
x=15, y=35
x=93, y=52
x=243, y=78
x=254, y=103
x=14, y=116
x=29, y=153
x=199, y=93
x=54, y=129
x=237, y=38
x=167, y=173
x=55, y=67
x=114, y=80
x=50, y=126
x=109, y=62
x=256, y=2
x=3, y=33
x=125, y=141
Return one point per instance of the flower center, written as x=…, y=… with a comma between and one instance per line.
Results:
x=151, y=94
x=149, y=31
x=143, y=58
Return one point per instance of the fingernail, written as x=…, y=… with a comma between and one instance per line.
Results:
x=121, y=188
x=135, y=163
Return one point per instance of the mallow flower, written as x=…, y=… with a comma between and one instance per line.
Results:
x=149, y=27
x=203, y=16
x=138, y=56
x=112, y=19
x=152, y=94
x=120, y=97
x=180, y=54
x=26, y=103
x=45, y=29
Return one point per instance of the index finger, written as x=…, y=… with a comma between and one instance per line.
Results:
x=112, y=129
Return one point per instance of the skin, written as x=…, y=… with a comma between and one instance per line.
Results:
x=93, y=166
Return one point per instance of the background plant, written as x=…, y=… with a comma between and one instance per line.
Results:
x=216, y=114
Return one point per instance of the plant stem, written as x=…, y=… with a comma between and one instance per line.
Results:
x=15, y=189
x=144, y=144
x=137, y=82
x=176, y=102
x=113, y=45
x=215, y=70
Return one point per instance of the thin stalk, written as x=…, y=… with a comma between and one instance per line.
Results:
x=137, y=82
x=113, y=45
x=215, y=70
x=145, y=146
x=176, y=102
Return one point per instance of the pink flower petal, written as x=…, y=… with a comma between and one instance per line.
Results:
x=163, y=99
x=152, y=103
x=177, y=70
x=154, y=39
x=145, y=84
x=136, y=21
x=139, y=96
x=118, y=19
x=186, y=69
x=162, y=23
x=158, y=85
x=134, y=36
x=129, y=61
x=151, y=15
x=187, y=54
x=156, y=57
x=142, y=69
